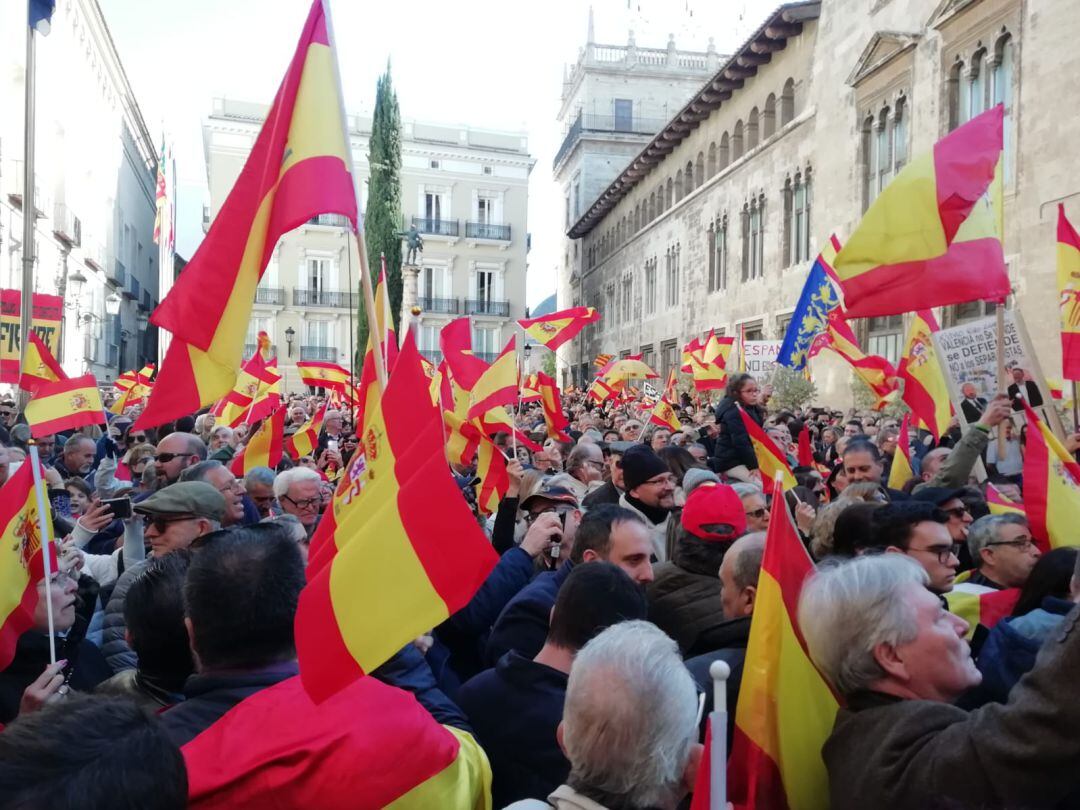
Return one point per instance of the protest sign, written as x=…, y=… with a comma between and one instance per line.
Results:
x=761, y=356
x=48, y=315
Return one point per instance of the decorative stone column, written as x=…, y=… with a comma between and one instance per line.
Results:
x=410, y=309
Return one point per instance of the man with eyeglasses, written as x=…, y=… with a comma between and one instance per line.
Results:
x=650, y=493
x=754, y=505
x=220, y=478
x=612, y=489
x=918, y=530
x=948, y=501
x=585, y=464
x=298, y=493
x=175, y=453
x=1002, y=550
x=174, y=517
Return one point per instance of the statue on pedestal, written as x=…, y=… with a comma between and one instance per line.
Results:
x=414, y=241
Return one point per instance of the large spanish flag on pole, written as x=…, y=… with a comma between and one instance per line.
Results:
x=300, y=166
x=1068, y=275
x=555, y=329
x=925, y=390
x=39, y=365
x=932, y=236
x=263, y=448
x=65, y=405
x=786, y=710
x=877, y=372
x=1051, y=487
x=21, y=564
x=387, y=574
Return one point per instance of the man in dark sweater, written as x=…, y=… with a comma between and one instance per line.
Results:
x=515, y=708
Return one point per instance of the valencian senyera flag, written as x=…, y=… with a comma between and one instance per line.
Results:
x=786, y=709
x=925, y=389
x=299, y=167
x=932, y=237
x=1051, y=487
x=818, y=300
x=21, y=564
x=555, y=329
x=1068, y=278
x=352, y=617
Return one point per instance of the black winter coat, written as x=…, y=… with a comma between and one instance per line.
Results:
x=733, y=446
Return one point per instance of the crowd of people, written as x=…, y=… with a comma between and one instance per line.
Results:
x=629, y=560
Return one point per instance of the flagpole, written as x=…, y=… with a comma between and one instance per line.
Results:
x=1002, y=381
x=719, y=671
x=43, y=527
x=365, y=273
x=1076, y=409
x=29, y=211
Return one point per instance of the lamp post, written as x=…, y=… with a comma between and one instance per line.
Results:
x=143, y=321
x=290, y=333
x=112, y=307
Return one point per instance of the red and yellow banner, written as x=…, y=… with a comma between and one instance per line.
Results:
x=771, y=459
x=306, y=439
x=48, y=315
x=925, y=389
x=299, y=166
x=977, y=604
x=557, y=328
x=39, y=365
x=900, y=471
x=999, y=504
x=1068, y=278
x=877, y=372
x=352, y=617
x=1051, y=487
x=65, y=405
x=550, y=401
x=498, y=385
x=664, y=416
x=322, y=375
x=263, y=448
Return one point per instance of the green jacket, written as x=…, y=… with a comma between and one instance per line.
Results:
x=956, y=469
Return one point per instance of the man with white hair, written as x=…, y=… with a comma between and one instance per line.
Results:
x=754, y=505
x=629, y=724
x=297, y=492
x=899, y=660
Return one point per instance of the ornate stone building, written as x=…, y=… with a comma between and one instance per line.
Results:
x=715, y=222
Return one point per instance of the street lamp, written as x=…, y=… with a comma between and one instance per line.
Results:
x=76, y=281
x=290, y=333
x=112, y=304
x=528, y=354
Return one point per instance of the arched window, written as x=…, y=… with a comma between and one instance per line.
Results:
x=737, y=141
x=883, y=137
x=786, y=252
x=900, y=133
x=678, y=185
x=710, y=161
x=651, y=210
x=689, y=185
x=956, y=94
x=1001, y=80
x=978, y=86
x=768, y=118
x=637, y=217
x=725, y=152
x=669, y=197
x=787, y=103
x=699, y=170
x=752, y=129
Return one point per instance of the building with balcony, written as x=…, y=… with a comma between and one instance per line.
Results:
x=615, y=98
x=95, y=171
x=714, y=224
x=464, y=189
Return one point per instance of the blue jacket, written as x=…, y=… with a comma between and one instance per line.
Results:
x=408, y=670
x=1011, y=647
x=523, y=624
x=514, y=710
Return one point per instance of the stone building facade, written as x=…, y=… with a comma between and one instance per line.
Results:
x=715, y=223
x=465, y=190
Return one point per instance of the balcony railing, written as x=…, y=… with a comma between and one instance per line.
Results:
x=119, y=273
x=444, y=306
x=438, y=227
x=337, y=299
x=271, y=296
x=147, y=302
x=433, y=356
x=333, y=220
x=132, y=289
x=500, y=309
x=327, y=353
x=94, y=255
x=485, y=230
x=66, y=226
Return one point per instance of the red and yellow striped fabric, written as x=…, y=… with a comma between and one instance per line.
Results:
x=352, y=616
x=1068, y=278
x=806, y=450
x=602, y=360
x=306, y=439
x=299, y=167
x=1051, y=487
x=925, y=390
x=455, y=342
x=695, y=346
x=664, y=416
x=601, y=391
x=999, y=504
x=786, y=710
x=551, y=403
x=21, y=564
x=130, y=378
x=39, y=365
x=494, y=479
x=322, y=375
x=498, y=385
x=625, y=369
x=709, y=364
x=65, y=405
x=932, y=237
x=977, y=604
x=257, y=391
x=368, y=390
x=770, y=458
x=368, y=746
x=530, y=388
x=669, y=387
x=555, y=329
x=263, y=448
x=877, y=372
x=901, y=471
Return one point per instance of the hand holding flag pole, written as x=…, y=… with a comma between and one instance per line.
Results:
x=46, y=557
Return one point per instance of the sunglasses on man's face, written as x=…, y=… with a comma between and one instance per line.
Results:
x=165, y=458
x=137, y=439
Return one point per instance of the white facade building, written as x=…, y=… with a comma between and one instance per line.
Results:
x=465, y=190
x=95, y=171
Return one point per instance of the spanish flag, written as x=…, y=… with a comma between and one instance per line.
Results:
x=999, y=504
x=554, y=419
x=771, y=460
x=39, y=365
x=257, y=391
x=494, y=479
x=557, y=328
x=602, y=360
x=600, y=391
x=21, y=564
x=455, y=343
x=694, y=347
x=925, y=390
x=383, y=336
x=299, y=167
x=65, y=405
x=785, y=710
x=530, y=388
x=322, y=375
x=977, y=604
x=305, y=439
x=664, y=416
x=669, y=387
x=352, y=617
x=709, y=364
x=932, y=237
x=263, y=448
x=877, y=372
x=900, y=471
x=1068, y=275
x=140, y=379
x=498, y=385
x=370, y=745
x=1051, y=487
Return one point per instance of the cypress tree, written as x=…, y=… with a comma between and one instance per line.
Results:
x=382, y=217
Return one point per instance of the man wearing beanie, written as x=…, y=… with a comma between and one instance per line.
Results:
x=684, y=598
x=649, y=490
